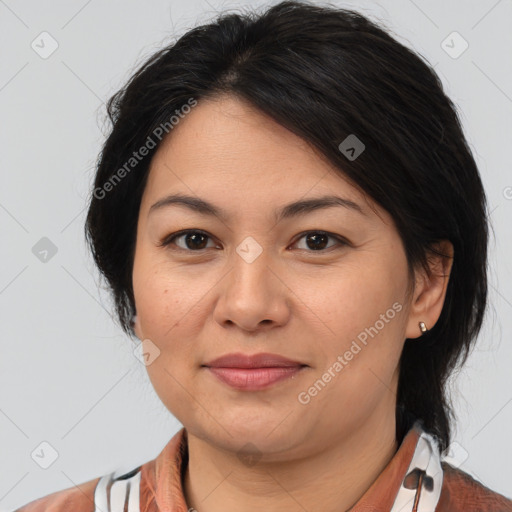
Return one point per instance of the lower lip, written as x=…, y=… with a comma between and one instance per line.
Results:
x=252, y=379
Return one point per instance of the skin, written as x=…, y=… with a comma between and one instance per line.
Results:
x=292, y=300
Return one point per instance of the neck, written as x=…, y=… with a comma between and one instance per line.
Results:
x=332, y=480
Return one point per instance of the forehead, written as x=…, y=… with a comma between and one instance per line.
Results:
x=227, y=150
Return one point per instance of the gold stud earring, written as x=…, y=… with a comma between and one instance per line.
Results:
x=423, y=327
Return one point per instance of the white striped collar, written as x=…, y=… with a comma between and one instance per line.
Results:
x=117, y=492
x=423, y=481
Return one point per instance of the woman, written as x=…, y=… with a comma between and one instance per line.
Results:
x=292, y=223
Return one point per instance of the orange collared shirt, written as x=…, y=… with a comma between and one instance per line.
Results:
x=414, y=480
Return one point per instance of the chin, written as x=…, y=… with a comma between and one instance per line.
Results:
x=258, y=438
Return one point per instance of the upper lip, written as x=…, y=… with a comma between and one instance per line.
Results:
x=262, y=360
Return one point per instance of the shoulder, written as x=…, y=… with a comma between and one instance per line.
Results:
x=461, y=492
x=120, y=490
x=113, y=492
x=78, y=498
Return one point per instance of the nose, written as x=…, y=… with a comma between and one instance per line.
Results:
x=253, y=296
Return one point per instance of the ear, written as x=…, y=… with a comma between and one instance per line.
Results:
x=137, y=328
x=430, y=290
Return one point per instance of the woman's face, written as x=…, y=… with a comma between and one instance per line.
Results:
x=253, y=281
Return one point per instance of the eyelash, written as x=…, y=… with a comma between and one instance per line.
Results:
x=168, y=240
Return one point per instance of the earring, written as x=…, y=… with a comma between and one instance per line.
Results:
x=423, y=327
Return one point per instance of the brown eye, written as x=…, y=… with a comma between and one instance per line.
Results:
x=191, y=240
x=318, y=240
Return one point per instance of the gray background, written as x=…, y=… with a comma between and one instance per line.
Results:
x=67, y=374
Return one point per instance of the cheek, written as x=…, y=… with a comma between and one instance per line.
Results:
x=362, y=305
x=162, y=298
x=163, y=310
x=170, y=308
x=352, y=298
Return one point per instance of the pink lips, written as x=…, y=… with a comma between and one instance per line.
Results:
x=255, y=372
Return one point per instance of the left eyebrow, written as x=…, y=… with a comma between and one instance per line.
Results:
x=306, y=206
x=295, y=209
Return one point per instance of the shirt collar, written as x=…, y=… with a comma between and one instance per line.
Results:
x=410, y=482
